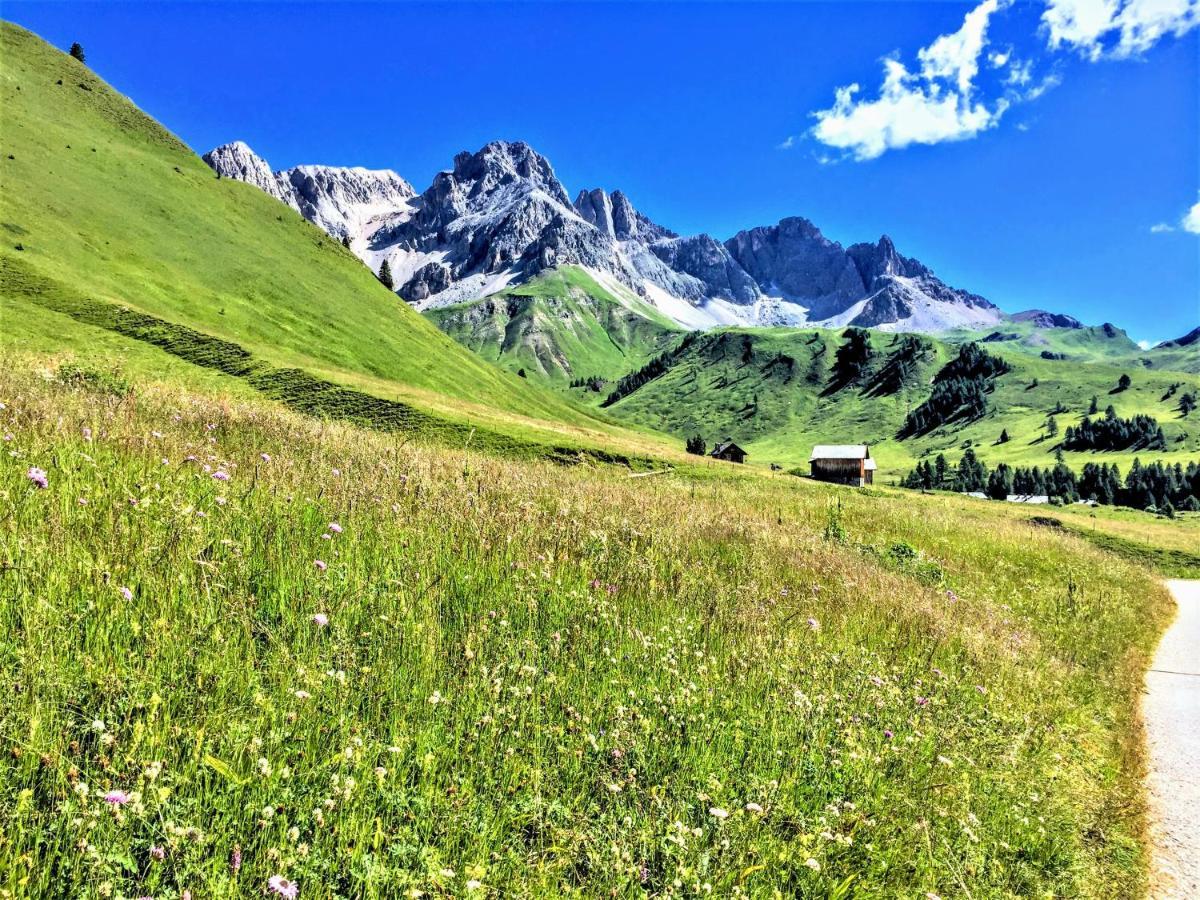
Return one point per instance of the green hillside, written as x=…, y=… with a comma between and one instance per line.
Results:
x=777, y=392
x=102, y=209
x=562, y=326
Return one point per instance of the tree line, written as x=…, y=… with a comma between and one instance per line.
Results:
x=1157, y=486
x=959, y=392
x=1115, y=433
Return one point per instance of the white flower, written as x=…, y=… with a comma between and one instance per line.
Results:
x=813, y=864
x=753, y=807
x=717, y=813
x=474, y=884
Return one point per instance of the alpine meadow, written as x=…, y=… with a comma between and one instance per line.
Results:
x=359, y=540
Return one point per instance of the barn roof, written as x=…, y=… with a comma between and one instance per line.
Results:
x=840, y=451
x=725, y=445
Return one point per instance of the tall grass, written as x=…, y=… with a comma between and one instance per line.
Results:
x=240, y=643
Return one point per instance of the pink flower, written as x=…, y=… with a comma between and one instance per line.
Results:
x=335, y=527
x=38, y=477
x=922, y=701
x=83, y=501
x=235, y=859
x=321, y=567
x=321, y=619
x=125, y=592
x=283, y=887
x=887, y=733
x=87, y=433
x=158, y=853
x=220, y=475
x=265, y=457
x=116, y=798
x=814, y=625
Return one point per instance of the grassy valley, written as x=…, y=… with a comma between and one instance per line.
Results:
x=299, y=595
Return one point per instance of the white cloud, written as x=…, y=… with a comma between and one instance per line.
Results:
x=1191, y=220
x=787, y=143
x=1145, y=345
x=1119, y=28
x=1161, y=228
x=932, y=105
x=956, y=56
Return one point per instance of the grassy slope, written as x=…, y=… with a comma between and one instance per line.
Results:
x=561, y=326
x=712, y=391
x=615, y=659
x=109, y=206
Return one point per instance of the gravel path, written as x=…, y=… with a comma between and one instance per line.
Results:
x=1172, y=713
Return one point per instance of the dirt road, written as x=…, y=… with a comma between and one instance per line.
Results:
x=1172, y=712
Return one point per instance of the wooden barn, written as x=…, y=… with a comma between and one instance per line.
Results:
x=729, y=451
x=843, y=464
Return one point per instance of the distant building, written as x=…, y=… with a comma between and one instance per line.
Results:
x=1027, y=498
x=729, y=451
x=843, y=464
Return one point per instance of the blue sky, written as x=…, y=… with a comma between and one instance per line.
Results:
x=1043, y=154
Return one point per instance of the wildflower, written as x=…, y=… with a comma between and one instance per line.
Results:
x=887, y=733
x=922, y=701
x=98, y=725
x=753, y=808
x=717, y=813
x=220, y=475
x=335, y=527
x=235, y=859
x=158, y=853
x=165, y=461
x=945, y=760
x=321, y=567
x=320, y=619
x=116, y=798
x=87, y=433
x=337, y=471
x=474, y=884
x=125, y=592
x=435, y=698
x=265, y=457
x=814, y=625
x=283, y=887
x=981, y=688
x=38, y=477
x=953, y=597
x=83, y=501
x=813, y=864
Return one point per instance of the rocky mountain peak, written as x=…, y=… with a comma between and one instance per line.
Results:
x=236, y=160
x=501, y=163
x=1043, y=319
x=596, y=208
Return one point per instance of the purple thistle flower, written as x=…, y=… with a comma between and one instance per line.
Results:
x=335, y=527
x=116, y=798
x=220, y=475
x=125, y=592
x=38, y=477
x=320, y=564
x=235, y=859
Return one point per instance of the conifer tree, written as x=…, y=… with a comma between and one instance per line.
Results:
x=385, y=276
x=77, y=52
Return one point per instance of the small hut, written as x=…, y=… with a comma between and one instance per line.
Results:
x=729, y=451
x=843, y=464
